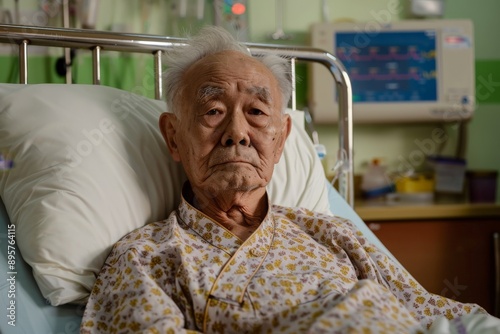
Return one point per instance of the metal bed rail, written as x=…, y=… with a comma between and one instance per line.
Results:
x=98, y=41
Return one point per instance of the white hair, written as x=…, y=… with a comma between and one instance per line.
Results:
x=209, y=41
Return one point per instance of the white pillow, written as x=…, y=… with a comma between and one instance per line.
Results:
x=90, y=165
x=299, y=179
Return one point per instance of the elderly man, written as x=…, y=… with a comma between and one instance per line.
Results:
x=227, y=260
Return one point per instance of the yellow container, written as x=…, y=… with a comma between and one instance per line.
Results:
x=418, y=183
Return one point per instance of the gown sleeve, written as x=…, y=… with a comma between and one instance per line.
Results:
x=375, y=264
x=372, y=264
x=128, y=298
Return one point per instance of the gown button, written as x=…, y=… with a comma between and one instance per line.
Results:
x=256, y=253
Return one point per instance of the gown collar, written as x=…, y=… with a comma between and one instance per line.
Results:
x=214, y=233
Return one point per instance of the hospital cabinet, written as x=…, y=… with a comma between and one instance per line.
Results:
x=451, y=249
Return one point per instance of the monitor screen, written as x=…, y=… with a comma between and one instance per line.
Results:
x=405, y=71
x=390, y=66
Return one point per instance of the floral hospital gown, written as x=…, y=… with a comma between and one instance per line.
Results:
x=299, y=272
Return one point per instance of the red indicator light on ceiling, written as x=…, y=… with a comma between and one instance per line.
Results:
x=238, y=8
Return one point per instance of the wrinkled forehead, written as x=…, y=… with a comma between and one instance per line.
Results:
x=227, y=58
x=231, y=66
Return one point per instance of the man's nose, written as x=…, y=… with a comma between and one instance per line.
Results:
x=236, y=131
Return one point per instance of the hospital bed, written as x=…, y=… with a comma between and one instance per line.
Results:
x=85, y=164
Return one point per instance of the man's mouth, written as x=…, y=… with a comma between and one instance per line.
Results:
x=233, y=162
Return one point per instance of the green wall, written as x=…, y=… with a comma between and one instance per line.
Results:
x=131, y=73
x=483, y=134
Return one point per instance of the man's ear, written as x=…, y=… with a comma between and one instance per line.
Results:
x=285, y=131
x=168, y=124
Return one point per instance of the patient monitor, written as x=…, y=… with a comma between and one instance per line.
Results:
x=404, y=71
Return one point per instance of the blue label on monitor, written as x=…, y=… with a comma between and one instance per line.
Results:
x=390, y=66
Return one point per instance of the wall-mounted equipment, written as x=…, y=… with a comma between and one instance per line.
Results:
x=233, y=16
x=427, y=8
x=405, y=71
x=88, y=13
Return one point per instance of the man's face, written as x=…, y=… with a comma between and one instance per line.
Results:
x=231, y=130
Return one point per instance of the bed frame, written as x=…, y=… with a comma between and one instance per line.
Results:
x=99, y=41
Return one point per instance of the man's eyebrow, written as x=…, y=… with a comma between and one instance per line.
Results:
x=262, y=93
x=207, y=93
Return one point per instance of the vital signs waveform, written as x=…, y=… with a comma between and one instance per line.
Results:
x=392, y=76
x=374, y=54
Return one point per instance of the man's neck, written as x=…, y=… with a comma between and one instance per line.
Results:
x=231, y=209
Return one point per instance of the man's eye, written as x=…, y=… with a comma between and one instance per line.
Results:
x=256, y=112
x=213, y=112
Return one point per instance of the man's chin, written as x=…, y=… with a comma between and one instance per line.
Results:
x=230, y=182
